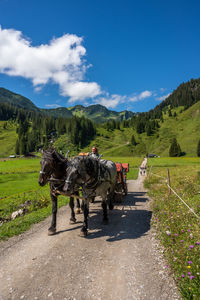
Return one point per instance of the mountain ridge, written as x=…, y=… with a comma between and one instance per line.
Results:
x=96, y=112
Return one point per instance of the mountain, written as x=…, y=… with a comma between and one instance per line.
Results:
x=185, y=126
x=97, y=113
x=57, y=112
x=19, y=101
x=176, y=117
x=186, y=95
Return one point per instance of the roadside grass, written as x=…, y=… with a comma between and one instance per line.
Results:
x=177, y=227
x=38, y=211
x=19, y=185
x=13, y=184
x=19, y=165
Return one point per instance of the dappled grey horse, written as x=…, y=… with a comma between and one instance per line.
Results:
x=96, y=178
x=53, y=170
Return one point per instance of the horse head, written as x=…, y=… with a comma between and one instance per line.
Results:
x=47, y=166
x=79, y=171
x=51, y=163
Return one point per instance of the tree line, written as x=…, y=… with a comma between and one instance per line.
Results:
x=36, y=130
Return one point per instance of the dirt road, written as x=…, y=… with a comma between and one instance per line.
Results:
x=119, y=261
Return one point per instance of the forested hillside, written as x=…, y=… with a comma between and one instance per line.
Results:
x=178, y=117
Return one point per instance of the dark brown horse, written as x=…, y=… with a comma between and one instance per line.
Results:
x=53, y=170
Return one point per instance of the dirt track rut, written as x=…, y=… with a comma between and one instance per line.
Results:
x=119, y=261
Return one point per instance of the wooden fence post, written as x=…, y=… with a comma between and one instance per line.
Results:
x=168, y=176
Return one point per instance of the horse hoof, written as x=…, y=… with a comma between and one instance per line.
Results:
x=72, y=221
x=78, y=211
x=51, y=231
x=83, y=233
x=111, y=206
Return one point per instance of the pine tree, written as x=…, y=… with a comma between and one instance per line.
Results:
x=198, y=149
x=133, y=141
x=175, y=149
x=17, y=147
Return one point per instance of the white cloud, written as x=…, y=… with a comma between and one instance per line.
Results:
x=60, y=62
x=141, y=96
x=162, y=90
x=52, y=105
x=81, y=90
x=145, y=94
x=111, y=101
x=163, y=97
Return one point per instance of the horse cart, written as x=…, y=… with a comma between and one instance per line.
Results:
x=121, y=186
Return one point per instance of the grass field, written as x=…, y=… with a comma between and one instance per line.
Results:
x=19, y=183
x=177, y=227
x=8, y=138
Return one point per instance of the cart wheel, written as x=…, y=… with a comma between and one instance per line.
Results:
x=118, y=193
x=125, y=189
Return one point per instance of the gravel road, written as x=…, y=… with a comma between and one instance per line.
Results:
x=119, y=261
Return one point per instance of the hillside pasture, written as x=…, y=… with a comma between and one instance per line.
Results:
x=177, y=227
x=8, y=137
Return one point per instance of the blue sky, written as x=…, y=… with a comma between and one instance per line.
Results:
x=123, y=54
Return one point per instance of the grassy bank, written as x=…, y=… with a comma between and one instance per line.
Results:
x=177, y=227
x=19, y=185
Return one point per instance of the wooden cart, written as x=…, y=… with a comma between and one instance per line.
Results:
x=121, y=186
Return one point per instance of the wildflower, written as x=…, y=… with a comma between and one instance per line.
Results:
x=182, y=231
x=197, y=243
x=189, y=230
x=181, y=241
x=189, y=267
x=191, y=246
x=168, y=232
x=191, y=277
x=189, y=262
x=189, y=273
x=182, y=275
x=175, y=234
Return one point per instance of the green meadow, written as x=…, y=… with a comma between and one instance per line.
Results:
x=177, y=227
x=8, y=137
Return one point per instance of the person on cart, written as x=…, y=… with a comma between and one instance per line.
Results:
x=94, y=152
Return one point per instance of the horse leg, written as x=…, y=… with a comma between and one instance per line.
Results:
x=84, y=229
x=110, y=199
x=78, y=207
x=52, y=228
x=104, y=206
x=71, y=205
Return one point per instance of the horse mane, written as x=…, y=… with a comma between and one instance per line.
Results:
x=52, y=154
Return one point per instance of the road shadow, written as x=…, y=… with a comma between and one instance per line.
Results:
x=128, y=220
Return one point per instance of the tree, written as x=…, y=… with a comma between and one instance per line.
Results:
x=170, y=113
x=133, y=141
x=175, y=149
x=17, y=147
x=198, y=149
